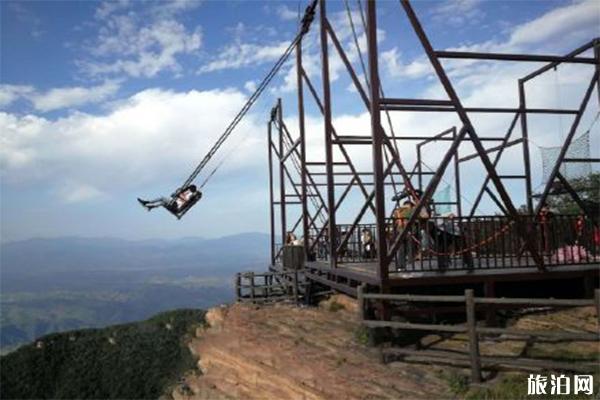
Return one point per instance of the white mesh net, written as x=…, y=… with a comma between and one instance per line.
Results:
x=579, y=148
x=443, y=195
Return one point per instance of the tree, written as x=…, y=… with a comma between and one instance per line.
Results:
x=588, y=189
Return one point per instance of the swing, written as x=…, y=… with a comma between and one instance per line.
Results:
x=180, y=211
x=172, y=206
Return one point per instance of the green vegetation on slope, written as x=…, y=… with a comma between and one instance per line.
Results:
x=136, y=360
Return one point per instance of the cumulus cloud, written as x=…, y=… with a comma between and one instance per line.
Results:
x=72, y=192
x=238, y=55
x=395, y=67
x=58, y=98
x=558, y=30
x=66, y=97
x=286, y=13
x=10, y=93
x=567, y=24
x=140, y=43
x=458, y=13
x=153, y=136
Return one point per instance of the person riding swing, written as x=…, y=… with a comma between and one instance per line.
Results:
x=178, y=204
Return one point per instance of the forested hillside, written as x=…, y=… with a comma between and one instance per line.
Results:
x=135, y=360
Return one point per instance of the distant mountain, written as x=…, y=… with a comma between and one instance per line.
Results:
x=139, y=360
x=72, y=253
x=52, y=285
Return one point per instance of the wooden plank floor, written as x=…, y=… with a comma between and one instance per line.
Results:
x=415, y=271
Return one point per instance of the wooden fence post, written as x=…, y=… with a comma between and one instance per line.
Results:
x=361, y=302
x=251, y=276
x=473, y=339
x=597, y=301
x=296, y=286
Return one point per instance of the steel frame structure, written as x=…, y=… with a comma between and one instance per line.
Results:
x=319, y=208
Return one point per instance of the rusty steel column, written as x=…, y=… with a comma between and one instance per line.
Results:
x=377, y=144
x=281, y=171
x=457, y=177
x=303, y=171
x=332, y=234
x=597, y=56
x=271, y=199
x=525, y=135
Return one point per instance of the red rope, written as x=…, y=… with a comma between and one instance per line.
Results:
x=487, y=240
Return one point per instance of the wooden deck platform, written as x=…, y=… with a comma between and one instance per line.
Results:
x=347, y=276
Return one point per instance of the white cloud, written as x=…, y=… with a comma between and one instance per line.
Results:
x=558, y=30
x=106, y=8
x=79, y=192
x=140, y=43
x=66, y=97
x=457, y=13
x=238, y=55
x=392, y=64
x=10, y=93
x=250, y=86
x=58, y=98
x=285, y=13
x=567, y=24
x=154, y=136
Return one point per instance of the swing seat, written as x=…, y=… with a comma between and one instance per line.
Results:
x=180, y=212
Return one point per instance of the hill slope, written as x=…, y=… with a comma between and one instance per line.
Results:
x=136, y=360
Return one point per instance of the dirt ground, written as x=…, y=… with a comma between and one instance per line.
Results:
x=287, y=352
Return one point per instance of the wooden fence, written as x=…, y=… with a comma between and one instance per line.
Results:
x=267, y=287
x=474, y=358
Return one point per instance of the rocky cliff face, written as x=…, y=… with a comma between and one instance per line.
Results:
x=285, y=352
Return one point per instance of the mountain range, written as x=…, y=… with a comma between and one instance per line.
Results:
x=49, y=285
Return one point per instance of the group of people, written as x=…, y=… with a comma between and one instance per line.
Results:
x=566, y=243
x=441, y=237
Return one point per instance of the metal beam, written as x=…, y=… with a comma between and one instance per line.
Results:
x=271, y=195
x=500, y=147
x=513, y=57
x=378, y=134
x=490, y=110
x=468, y=126
x=302, y=139
x=328, y=135
x=552, y=65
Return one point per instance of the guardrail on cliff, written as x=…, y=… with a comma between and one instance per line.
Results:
x=269, y=287
x=474, y=358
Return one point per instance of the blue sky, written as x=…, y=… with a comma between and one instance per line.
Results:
x=101, y=102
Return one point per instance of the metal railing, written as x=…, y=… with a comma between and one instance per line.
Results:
x=467, y=243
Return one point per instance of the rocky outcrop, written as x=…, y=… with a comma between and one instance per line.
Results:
x=285, y=352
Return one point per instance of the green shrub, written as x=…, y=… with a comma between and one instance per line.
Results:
x=361, y=334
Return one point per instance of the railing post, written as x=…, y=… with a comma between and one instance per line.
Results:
x=597, y=301
x=237, y=286
x=267, y=285
x=473, y=339
x=251, y=276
